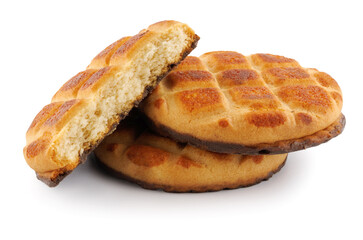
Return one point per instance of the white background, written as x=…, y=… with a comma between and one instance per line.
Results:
x=318, y=194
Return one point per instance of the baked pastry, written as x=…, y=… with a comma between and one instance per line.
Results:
x=259, y=104
x=134, y=153
x=91, y=104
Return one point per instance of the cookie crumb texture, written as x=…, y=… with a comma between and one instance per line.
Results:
x=90, y=105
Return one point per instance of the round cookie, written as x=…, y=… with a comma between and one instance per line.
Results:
x=257, y=104
x=155, y=162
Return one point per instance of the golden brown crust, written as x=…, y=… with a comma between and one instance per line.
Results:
x=70, y=89
x=237, y=77
x=103, y=58
x=145, y=156
x=155, y=162
x=83, y=93
x=131, y=42
x=266, y=98
x=44, y=114
x=199, y=99
x=196, y=189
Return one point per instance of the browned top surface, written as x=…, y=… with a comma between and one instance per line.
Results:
x=84, y=83
x=62, y=110
x=132, y=142
x=269, y=58
x=230, y=91
x=236, y=77
x=192, y=78
x=223, y=60
x=37, y=147
x=80, y=90
x=95, y=77
x=55, y=113
x=190, y=63
x=77, y=81
x=44, y=114
x=62, y=101
x=256, y=85
x=129, y=43
x=200, y=99
x=312, y=98
x=146, y=156
x=111, y=49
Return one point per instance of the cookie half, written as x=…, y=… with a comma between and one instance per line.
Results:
x=134, y=153
x=258, y=104
x=91, y=104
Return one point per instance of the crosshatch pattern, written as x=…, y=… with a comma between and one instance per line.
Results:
x=158, y=162
x=261, y=94
x=89, y=105
x=68, y=99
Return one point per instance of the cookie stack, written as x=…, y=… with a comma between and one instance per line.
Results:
x=219, y=121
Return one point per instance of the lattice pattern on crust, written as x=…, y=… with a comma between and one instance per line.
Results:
x=264, y=90
x=82, y=81
x=88, y=91
x=136, y=143
x=67, y=98
x=134, y=151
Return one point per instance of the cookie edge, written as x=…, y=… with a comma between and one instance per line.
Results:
x=172, y=189
x=279, y=147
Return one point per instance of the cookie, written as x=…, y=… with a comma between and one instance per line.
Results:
x=258, y=104
x=134, y=153
x=91, y=104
